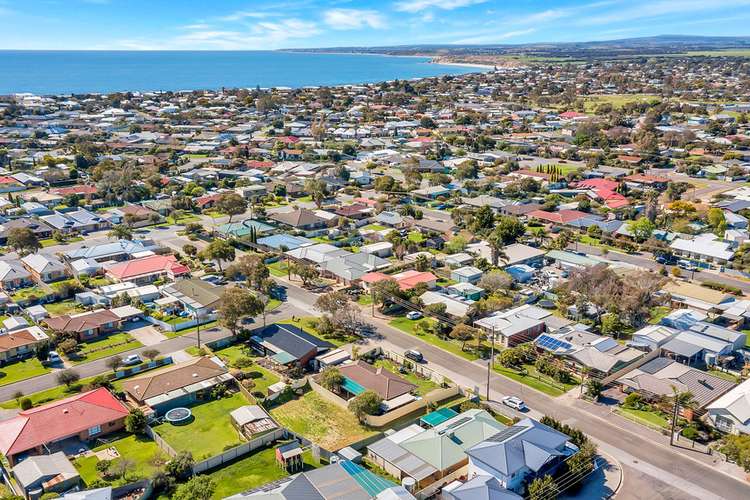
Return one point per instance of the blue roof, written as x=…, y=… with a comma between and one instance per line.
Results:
x=437, y=417
x=369, y=482
x=352, y=386
x=286, y=240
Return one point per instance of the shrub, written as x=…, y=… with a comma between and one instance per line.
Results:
x=26, y=404
x=243, y=362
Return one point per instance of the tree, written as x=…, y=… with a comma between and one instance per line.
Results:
x=594, y=388
x=150, y=354
x=682, y=208
x=23, y=240
x=120, y=232
x=367, y=403
x=316, y=188
x=483, y=220
x=384, y=289
x=197, y=488
x=135, y=422
x=463, y=333
x=231, y=204
x=717, y=220
x=114, y=363
x=306, y=272
x=253, y=267
x=237, y=303
x=543, y=488
x=641, y=229
x=181, y=466
x=67, y=377
x=219, y=250
x=509, y=229
x=343, y=314
x=611, y=325
x=495, y=280
x=496, y=242
x=422, y=263
x=189, y=250
x=331, y=378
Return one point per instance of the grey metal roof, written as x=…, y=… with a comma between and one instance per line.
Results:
x=655, y=365
x=483, y=488
x=682, y=348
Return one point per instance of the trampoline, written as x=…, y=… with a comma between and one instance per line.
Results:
x=177, y=416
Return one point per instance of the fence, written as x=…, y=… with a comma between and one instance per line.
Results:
x=160, y=442
x=167, y=360
x=238, y=451
x=183, y=325
x=417, y=368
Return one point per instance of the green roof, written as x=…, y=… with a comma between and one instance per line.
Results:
x=283, y=358
x=437, y=417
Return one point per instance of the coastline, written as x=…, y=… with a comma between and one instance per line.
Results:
x=487, y=67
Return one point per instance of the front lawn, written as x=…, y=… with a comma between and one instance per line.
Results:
x=278, y=268
x=141, y=451
x=536, y=380
x=211, y=430
x=323, y=423
x=365, y=299
x=251, y=471
x=203, y=327
x=65, y=307
x=407, y=325
x=273, y=304
x=424, y=385
x=375, y=227
x=108, y=346
x=21, y=370
x=644, y=416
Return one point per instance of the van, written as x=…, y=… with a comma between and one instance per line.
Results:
x=414, y=355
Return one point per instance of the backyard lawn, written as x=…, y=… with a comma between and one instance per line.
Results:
x=536, y=380
x=407, y=325
x=252, y=471
x=60, y=308
x=416, y=237
x=262, y=377
x=323, y=423
x=424, y=385
x=211, y=430
x=29, y=293
x=113, y=344
x=22, y=370
x=140, y=450
x=657, y=313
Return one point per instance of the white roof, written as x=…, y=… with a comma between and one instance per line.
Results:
x=736, y=402
x=706, y=245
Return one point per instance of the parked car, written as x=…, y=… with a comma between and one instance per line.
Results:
x=515, y=403
x=133, y=359
x=414, y=356
x=53, y=357
x=414, y=315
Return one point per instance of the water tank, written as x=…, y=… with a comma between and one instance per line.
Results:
x=409, y=484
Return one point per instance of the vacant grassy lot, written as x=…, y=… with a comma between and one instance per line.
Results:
x=321, y=422
x=21, y=370
x=140, y=450
x=536, y=380
x=211, y=430
x=424, y=385
x=113, y=344
x=616, y=100
x=306, y=323
x=407, y=325
x=252, y=471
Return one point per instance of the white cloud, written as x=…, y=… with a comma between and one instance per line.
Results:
x=495, y=38
x=242, y=15
x=350, y=19
x=420, y=5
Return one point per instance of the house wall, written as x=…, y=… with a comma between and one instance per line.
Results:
x=737, y=426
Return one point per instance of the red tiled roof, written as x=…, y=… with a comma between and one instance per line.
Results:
x=204, y=200
x=647, y=179
x=561, y=217
x=7, y=180
x=81, y=322
x=409, y=279
x=598, y=184
x=80, y=189
x=148, y=265
x=58, y=420
x=571, y=114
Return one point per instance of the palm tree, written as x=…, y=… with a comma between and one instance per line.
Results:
x=681, y=399
x=496, y=243
x=120, y=232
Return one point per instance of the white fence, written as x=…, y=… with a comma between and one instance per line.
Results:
x=183, y=325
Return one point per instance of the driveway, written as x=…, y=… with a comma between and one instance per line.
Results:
x=147, y=334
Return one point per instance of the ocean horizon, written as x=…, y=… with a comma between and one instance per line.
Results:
x=53, y=72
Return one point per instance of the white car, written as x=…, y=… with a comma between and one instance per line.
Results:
x=131, y=360
x=414, y=315
x=515, y=403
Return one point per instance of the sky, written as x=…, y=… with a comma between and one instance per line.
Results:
x=279, y=24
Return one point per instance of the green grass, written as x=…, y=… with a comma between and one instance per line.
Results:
x=60, y=308
x=643, y=416
x=416, y=237
x=365, y=299
x=323, y=423
x=252, y=471
x=424, y=386
x=719, y=53
x=278, y=268
x=21, y=370
x=210, y=432
x=50, y=242
x=616, y=100
x=184, y=219
x=407, y=326
x=536, y=380
x=99, y=281
x=657, y=313
x=262, y=377
x=108, y=346
x=306, y=324
x=203, y=327
x=59, y=392
x=140, y=450
x=375, y=227
x=724, y=375
x=273, y=304
x=27, y=293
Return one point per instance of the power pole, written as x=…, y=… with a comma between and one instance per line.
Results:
x=491, y=361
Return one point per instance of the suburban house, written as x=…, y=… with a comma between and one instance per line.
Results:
x=406, y=280
x=467, y=274
x=19, y=344
x=14, y=275
x=478, y=488
x=520, y=254
x=301, y=219
x=43, y=429
x=41, y=474
x=43, y=268
x=118, y=250
x=518, y=454
x=147, y=269
x=705, y=247
x=288, y=344
x=88, y=325
x=731, y=412
x=41, y=230
x=659, y=377
x=361, y=376
x=178, y=385
x=521, y=324
x=197, y=297
x=430, y=455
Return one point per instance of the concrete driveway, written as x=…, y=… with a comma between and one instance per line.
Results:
x=147, y=334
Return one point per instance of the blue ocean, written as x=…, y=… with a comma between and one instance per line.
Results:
x=65, y=72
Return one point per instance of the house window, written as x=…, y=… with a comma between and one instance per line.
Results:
x=723, y=423
x=95, y=430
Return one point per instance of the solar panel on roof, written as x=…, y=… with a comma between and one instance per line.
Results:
x=551, y=343
x=506, y=434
